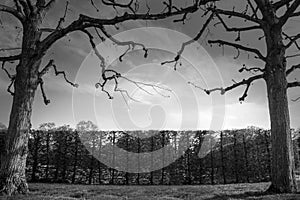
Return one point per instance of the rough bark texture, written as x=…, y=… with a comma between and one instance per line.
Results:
x=13, y=158
x=283, y=168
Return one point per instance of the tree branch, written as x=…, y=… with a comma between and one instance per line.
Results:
x=290, y=11
x=47, y=68
x=130, y=44
x=235, y=14
x=293, y=40
x=293, y=68
x=281, y=3
x=293, y=84
x=238, y=46
x=246, y=82
x=197, y=37
x=10, y=58
x=13, y=12
x=86, y=22
x=41, y=83
x=229, y=29
x=10, y=76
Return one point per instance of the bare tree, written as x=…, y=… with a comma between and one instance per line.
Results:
x=270, y=17
x=36, y=41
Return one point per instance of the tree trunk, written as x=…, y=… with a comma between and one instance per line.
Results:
x=283, y=167
x=13, y=159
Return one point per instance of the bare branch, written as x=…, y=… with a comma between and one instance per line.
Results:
x=18, y=6
x=246, y=82
x=62, y=19
x=238, y=46
x=251, y=69
x=254, y=10
x=297, y=99
x=6, y=71
x=130, y=44
x=281, y=3
x=292, y=56
x=49, y=5
x=86, y=22
x=11, y=49
x=293, y=40
x=293, y=84
x=10, y=58
x=234, y=29
x=235, y=14
x=114, y=4
x=290, y=11
x=293, y=68
x=41, y=83
x=10, y=85
x=197, y=37
x=12, y=11
x=10, y=76
x=51, y=64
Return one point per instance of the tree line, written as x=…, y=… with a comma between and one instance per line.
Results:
x=64, y=155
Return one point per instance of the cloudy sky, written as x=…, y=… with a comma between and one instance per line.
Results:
x=172, y=103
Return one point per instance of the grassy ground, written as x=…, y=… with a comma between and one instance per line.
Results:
x=217, y=192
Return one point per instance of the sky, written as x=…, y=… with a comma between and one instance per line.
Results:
x=172, y=103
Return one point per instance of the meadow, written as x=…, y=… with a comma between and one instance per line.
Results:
x=108, y=192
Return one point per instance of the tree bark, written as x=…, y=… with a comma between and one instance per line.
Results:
x=283, y=167
x=13, y=165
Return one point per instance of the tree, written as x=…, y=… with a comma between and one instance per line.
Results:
x=36, y=41
x=270, y=17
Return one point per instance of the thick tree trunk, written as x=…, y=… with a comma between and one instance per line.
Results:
x=13, y=159
x=282, y=167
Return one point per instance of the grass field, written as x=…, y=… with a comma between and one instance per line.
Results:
x=217, y=192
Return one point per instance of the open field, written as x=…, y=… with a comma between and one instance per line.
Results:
x=216, y=192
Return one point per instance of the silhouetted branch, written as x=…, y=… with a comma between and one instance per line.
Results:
x=297, y=99
x=234, y=29
x=63, y=18
x=235, y=14
x=197, y=37
x=293, y=40
x=254, y=10
x=290, y=11
x=293, y=84
x=46, y=100
x=10, y=58
x=10, y=76
x=130, y=44
x=246, y=82
x=293, y=68
x=251, y=69
x=238, y=46
x=51, y=64
x=281, y=3
x=85, y=21
x=45, y=71
x=12, y=11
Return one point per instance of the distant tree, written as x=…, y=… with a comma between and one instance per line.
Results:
x=48, y=129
